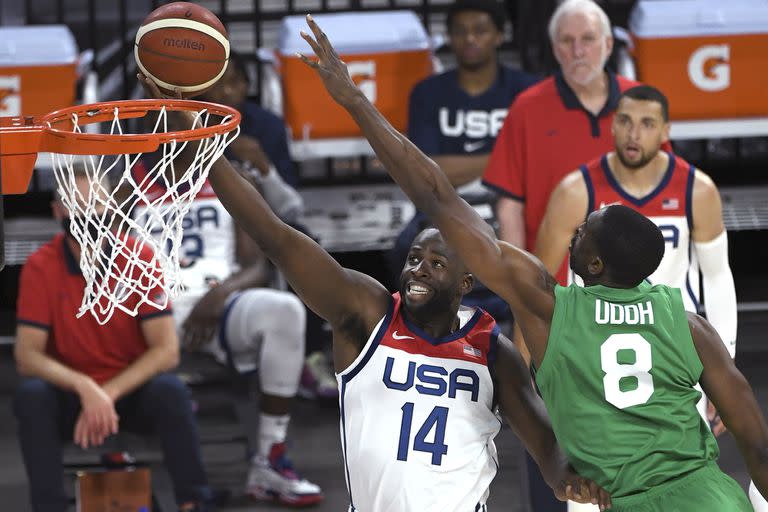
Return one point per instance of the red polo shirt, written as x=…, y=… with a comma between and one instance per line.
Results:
x=50, y=292
x=546, y=135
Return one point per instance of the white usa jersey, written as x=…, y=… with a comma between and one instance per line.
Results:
x=207, y=252
x=669, y=206
x=417, y=420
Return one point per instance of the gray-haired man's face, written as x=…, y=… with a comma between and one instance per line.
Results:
x=580, y=47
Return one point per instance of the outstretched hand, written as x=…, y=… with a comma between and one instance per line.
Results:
x=329, y=66
x=178, y=120
x=573, y=487
x=151, y=90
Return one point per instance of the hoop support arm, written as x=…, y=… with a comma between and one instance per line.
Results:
x=23, y=137
x=20, y=138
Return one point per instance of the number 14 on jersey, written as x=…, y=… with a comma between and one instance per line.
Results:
x=436, y=421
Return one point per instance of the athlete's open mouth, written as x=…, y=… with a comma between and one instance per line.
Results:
x=415, y=289
x=632, y=150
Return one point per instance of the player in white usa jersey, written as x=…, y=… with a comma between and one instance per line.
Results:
x=616, y=234
x=445, y=406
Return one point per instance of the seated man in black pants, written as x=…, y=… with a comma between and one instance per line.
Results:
x=84, y=381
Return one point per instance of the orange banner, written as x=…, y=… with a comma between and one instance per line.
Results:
x=385, y=78
x=707, y=77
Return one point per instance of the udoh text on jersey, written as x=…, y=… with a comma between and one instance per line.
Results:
x=616, y=314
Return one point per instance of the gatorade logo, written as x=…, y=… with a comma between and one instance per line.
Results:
x=363, y=73
x=709, y=68
x=10, y=99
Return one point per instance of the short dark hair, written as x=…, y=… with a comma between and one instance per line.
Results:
x=493, y=8
x=630, y=245
x=648, y=93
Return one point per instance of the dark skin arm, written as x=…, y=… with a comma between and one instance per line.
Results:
x=727, y=388
x=352, y=302
x=255, y=272
x=518, y=277
x=525, y=413
x=248, y=149
x=513, y=274
x=461, y=169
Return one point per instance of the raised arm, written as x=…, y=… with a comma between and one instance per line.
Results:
x=343, y=297
x=727, y=388
x=351, y=302
x=513, y=274
x=710, y=241
x=525, y=413
x=462, y=169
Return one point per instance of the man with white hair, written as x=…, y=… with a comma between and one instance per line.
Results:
x=552, y=128
x=557, y=124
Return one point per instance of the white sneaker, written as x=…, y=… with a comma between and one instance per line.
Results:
x=317, y=378
x=274, y=479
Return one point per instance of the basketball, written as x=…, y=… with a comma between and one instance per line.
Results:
x=182, y=46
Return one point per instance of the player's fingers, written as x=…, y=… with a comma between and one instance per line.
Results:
x=315, y=28
x=309, y=62
x=93, y=437
x=107, y=426
x=578, y=490
x=322, y=39
x=593, y=492
x=568, y=492
x=604, y=499
x=76, y=435
x=311, y=41
x=98, y=426
x=113, y=422
x=82, y=439
x=150, y=87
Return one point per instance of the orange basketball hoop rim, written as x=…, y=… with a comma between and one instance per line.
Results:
x=23, y=137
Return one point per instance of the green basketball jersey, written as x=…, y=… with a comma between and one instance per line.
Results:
x=617, y=379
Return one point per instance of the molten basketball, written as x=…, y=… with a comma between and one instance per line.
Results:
x=182, y=46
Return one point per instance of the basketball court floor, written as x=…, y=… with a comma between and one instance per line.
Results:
x=314, y=444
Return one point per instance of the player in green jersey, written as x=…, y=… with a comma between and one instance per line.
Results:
x=618, y=359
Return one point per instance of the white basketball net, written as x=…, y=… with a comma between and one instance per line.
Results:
x=129, y=261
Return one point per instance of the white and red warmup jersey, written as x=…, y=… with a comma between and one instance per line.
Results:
x=207, y=250
x=417, y=419
x=669, y=206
